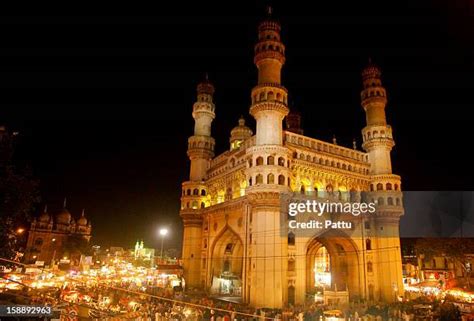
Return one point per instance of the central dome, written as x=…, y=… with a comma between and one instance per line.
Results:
x=239, y=133
x=64, y=217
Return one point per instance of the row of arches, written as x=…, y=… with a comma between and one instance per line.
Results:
x=386, y=187
x=376, y=134
x=269, y=179
x=269, y=160
x=269, y=36
x=324, y=147
x=373, y=93
x=194, y=205
x=390, y=201
x=200, y=144
x=270, y=46
x=194, y=192
x=204, y=98
x=269, y=96
x=332, y=163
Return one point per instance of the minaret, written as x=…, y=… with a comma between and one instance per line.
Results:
x=377, y=135
x=269, y=174
x=269, y=97
x=385, y=187
x=201, y=145
x=194, y=191
x=293, y=122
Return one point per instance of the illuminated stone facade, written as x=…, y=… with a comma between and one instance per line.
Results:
x=234, y=242
x=48, y=234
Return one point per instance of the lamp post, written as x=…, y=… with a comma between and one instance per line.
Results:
x=163, y=233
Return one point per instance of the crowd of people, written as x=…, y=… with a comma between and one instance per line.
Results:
x=126, y=301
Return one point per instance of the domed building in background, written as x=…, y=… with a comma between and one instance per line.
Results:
x=49, y=233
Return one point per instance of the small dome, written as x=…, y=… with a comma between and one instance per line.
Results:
x=45, y=217
x=82, y=220
x=240, y=132
x=371, y=71
x=205, y=86
x=64, y=217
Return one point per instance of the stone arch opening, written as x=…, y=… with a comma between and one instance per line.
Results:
x=332, y=261
x=226, y=264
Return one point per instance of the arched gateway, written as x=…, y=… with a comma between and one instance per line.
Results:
x=333, y=261
x=226, y=264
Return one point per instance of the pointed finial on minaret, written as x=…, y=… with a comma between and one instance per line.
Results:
x=206, y=76
x=354, y=144
x=65, y=202
x=83, y=212
x=269, y=10
x=241, y=120
x=334, y=140
x=45, y=208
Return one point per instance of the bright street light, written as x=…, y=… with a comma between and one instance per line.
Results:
x=163, y=233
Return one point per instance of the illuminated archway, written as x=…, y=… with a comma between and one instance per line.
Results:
x=332, y=260
x=226, y=264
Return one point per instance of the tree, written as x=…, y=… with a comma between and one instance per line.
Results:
x=18, y=195
x=77, y=245
x=458, y=250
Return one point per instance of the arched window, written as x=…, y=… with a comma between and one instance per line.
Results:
x=281, y=161
x=380, y=201
x=250, y=163
x=203, y=205
x=270, y=160
x=281, y=180
x=229, y=248
x=379, y=187
x=397, y=202
x=195, y=205
x=291, y=238
x=188, y=192
x=250, y=181
x=371, y=187
x=388, y=187
x=370, y=267
x=302, y=189
x=259, y=179
x=39, y=242
x=203, y=192
x=368, y=244
x=271, y=179
x=259, y=160
x=195, y=191
x=396, y=187
x=389, y=201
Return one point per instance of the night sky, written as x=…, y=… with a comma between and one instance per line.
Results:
x=102, y=97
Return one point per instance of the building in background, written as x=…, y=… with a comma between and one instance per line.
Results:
x=49, y=234
x=234, y=243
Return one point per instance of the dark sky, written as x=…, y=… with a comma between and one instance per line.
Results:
x=102, y=97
